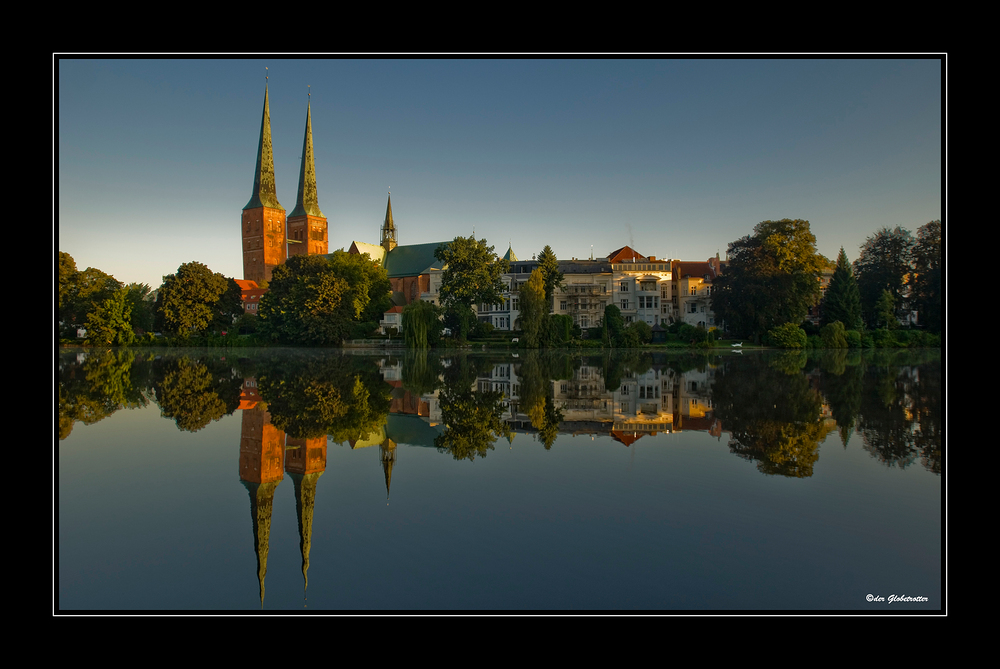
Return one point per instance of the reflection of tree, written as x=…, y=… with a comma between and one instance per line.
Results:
x=473, y=421
x=536, y=373
x=841, y=380
x=927, y=413
x=314, y=395
x=104, y=382
x=196, y=392
x=885, y=424
x=773, y=416
x=421, y=374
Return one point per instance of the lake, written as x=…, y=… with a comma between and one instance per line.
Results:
x=283, y=480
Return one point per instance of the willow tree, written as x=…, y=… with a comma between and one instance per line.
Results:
x=421, y=324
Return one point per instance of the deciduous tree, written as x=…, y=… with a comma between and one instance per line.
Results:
x=473, y=276
x=926, y=283
x=533, y=309
x=884, y=264
x=188, y=300
x=770, y=279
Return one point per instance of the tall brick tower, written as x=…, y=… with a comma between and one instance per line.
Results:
x=263, y=222
x=307, y=230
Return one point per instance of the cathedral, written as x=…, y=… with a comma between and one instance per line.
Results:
x=269, y=237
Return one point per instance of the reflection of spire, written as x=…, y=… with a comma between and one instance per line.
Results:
x=261, y=502
x=305, y=501
x=387, y=454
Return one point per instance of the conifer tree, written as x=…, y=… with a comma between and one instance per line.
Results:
x=843, y=301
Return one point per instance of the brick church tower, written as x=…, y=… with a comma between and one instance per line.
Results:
x=263, y=221
x=307, y=230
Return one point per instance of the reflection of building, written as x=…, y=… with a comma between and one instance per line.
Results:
x=265, y=454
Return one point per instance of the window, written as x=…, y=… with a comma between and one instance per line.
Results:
x=562, y=305
x=624, y=304
x=624, y=286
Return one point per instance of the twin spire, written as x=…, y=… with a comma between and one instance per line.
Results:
x=264, y=189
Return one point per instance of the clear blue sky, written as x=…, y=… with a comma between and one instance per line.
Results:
x=675, y=157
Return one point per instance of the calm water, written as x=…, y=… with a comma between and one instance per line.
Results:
x=320, y=481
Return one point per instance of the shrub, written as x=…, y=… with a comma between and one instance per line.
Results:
x=833, y=335
x=853, y=338
x=788, y=335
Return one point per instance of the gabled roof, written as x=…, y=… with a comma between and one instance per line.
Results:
x=695, y=268
x=376, y=253
x=626, y=254
x=413, y=260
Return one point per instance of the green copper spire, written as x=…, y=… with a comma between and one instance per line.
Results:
x=307, y=201
x=387, y=224
x=264, y=189
x=388, y=229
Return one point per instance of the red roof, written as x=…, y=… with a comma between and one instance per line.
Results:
x=626, y=254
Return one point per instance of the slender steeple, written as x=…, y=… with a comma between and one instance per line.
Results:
x=388, y=229
x=307, y=200
x=265, y=192
x=307, y=227
x=263, y=220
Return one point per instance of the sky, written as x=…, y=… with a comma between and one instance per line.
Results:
x=675, y=157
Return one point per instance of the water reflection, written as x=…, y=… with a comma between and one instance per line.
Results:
x=775, y=410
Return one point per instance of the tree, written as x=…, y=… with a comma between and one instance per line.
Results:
x=613, y=326
x=885, y=311
x=421, y=324
x=110, y=323
x=843, y=301
x=926, y=285
x=308, y=303
x=82, y=292
x=371, y=291
x=533, y=309
x=188, y=299
x=472, y=276
x=771, y=278
x=883, y=265
x=551, y=276
x=141, y=300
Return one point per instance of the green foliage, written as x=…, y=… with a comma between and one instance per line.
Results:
x=472, y=276
x=192, y=299
x=533, y=309
x=81, y=292
x=788, y=335
x=883, y=265
x=885, y=311
x=370, y=288
x=643, y=333
x=110, y=324
x=421, y=324
x=559, y=329
x=613, y=326
x=926, y=280
x=834, y=335
x=843, y=301
x=317, y=301
x=141, y=299
x=853, y=338
x=552, y=277
x=771, y=278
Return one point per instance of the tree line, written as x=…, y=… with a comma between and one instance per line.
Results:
x=771, y=281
